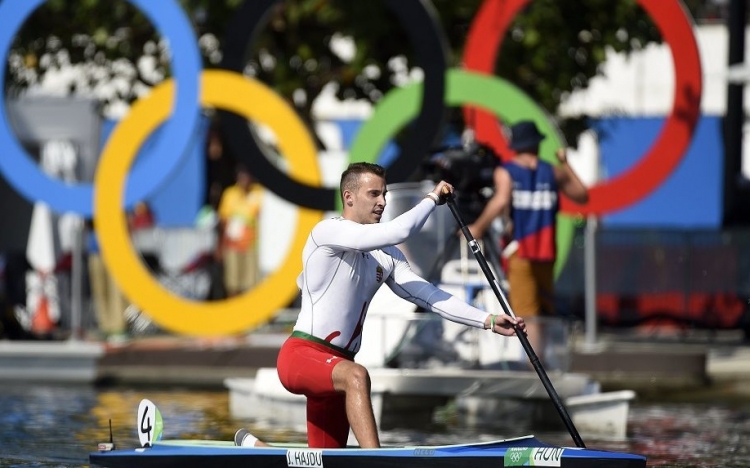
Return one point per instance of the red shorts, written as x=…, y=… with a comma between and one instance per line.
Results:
x=306, y=368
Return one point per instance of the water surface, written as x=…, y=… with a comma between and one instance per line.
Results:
x=57, y=426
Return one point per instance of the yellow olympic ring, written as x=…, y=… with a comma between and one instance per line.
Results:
x=229, y=91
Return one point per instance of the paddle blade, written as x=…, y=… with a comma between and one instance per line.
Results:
x=149, y=423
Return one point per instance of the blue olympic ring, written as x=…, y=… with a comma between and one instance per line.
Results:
x=155, y=164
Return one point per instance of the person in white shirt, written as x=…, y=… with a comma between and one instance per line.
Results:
x=345, y=260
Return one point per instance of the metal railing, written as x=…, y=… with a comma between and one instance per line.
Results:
x=693, y=279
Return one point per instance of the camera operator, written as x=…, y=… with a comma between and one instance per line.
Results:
x=527, y=189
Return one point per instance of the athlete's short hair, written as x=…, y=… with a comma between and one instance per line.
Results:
x=350, y=177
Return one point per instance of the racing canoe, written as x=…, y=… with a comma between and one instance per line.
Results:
x=522, y=451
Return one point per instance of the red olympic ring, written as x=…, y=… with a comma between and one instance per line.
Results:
x=483, y=44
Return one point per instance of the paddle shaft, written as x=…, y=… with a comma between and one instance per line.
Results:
x=474, y=246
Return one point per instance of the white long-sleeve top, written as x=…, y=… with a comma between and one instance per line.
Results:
x=345, y=263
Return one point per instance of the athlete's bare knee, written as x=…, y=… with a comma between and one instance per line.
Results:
x=359, y=379
x=352, y=378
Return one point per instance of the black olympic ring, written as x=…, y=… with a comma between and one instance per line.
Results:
x=421, y=22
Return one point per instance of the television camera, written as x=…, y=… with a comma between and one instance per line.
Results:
x=469, y=168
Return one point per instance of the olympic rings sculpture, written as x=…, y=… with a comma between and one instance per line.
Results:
x=483, y=44
x=178, y=107
x=421, y=23
x=489, y=93
x=225, y=90
x=154, y=166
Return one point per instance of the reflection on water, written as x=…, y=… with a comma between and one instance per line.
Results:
x=57, y=426
x=693, y=435
x=42, y=423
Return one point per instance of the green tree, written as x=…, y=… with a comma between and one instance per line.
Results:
x=552, y=48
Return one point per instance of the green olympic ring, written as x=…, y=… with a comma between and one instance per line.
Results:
x=491, y=93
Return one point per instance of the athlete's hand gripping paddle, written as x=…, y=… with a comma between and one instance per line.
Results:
x=474, y=246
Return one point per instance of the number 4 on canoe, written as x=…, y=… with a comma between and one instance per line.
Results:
x=149, y=424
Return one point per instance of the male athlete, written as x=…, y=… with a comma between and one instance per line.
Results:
x=345, y=261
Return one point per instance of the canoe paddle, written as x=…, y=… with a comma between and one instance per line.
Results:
x=474, y=246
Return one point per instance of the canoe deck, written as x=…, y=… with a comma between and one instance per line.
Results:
x=522, y=451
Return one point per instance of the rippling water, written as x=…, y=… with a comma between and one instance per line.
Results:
x=57, y=426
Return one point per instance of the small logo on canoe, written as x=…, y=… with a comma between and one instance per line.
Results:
x=424, y=452
x=533, y=456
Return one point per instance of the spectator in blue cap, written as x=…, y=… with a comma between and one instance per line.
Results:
x=527, y=194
